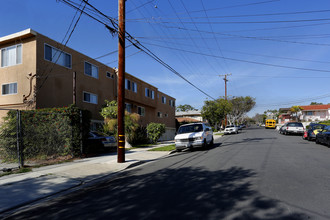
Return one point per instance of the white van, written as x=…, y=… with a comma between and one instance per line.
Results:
x=193, y=135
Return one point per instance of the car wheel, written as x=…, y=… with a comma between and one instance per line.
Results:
x=212, y=142
x=317, y=141
x=204, y=145
x=178, y=150
x=309, y=138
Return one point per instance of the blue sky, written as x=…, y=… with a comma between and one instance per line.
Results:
x=276, y=50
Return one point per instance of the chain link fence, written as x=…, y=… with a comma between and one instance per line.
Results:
x=30, y=138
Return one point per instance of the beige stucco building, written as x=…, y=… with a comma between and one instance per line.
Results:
x=38, y=72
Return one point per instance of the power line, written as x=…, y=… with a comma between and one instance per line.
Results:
x=253, y=22
x=63, y=48
x=134, y=42
x=244, y=61
x=234, y=16
x=254, y=38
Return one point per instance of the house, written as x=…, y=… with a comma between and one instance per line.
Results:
x=285, y=115
x=315, y=113
x=38, y=72
x=189, y=116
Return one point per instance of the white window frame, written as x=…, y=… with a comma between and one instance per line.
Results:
x=53, y=55
x=134, y=87
x=147, y=92
x=163, y=99
x=128, y=84
x=152, y=94
x=128, y=109
x=18, y=61
x=92, y=94
x=9, y=89
x=143, y=111
x=159, y=114
x=92, y=75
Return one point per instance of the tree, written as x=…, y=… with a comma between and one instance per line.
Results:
x=272, y=114
x=215, y=111
x=295, y=109
x=185, y=108
x=109, y=113
x=155, y=130
x=240, y=106
x=316, y=103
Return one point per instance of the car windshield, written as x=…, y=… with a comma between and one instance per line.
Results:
x=190, y=128
x=96, y=134
x=230, y=126
x=295, y=125
x=318, y=126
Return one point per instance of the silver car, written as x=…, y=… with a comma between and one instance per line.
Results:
x=231, y=129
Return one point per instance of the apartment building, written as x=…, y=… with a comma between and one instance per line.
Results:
x=34, y=73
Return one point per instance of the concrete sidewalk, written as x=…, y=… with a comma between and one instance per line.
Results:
x=20, y=189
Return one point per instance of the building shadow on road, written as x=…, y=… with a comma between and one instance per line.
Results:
x=170, y=193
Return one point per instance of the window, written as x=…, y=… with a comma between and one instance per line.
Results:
x=127, y=84
x=171, y=103
x=128, y=107
x=109, y=75
x=8, y=89
x=309, y=113
x=11, y=56
x=91, y=70
x=163, y=99
x=166, y=115
x=134, y=87
x=141, y=111
x=90, y=98
x=147, y=92
x=159, y=115
x=150, y=93
x=57, y=56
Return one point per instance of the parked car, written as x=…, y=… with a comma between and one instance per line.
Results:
x=242, y=125
x=323, y=137
x=281, y=129
x=313, y=129
x=193, y=135
x=293, y=128
x=231, y=129
x=99, y=138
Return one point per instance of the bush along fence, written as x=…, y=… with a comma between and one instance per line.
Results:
x=33, y=137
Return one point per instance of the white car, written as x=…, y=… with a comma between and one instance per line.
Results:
x=193, y=135
x=231, y=129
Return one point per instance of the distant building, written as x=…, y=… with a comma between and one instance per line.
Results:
x=189, y=116
x=315, y=113
x=35, y=73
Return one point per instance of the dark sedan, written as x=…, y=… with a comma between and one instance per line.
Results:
x=323, y=137
x=313, y=130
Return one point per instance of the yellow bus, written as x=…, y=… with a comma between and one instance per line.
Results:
x=270, y=123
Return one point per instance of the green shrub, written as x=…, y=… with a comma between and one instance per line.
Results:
x=46, y=133
x=155, y=131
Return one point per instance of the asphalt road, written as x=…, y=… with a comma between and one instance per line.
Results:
x=257, y=174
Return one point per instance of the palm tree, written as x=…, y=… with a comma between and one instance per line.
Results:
x=295, y=109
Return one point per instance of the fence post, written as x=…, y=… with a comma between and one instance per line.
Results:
x=19, y=140
x=81, y=131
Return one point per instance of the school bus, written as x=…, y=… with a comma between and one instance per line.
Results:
x=270, y=123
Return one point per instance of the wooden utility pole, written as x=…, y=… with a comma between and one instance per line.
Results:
x=121, y=82
x=226, y=80
x=74, y=89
